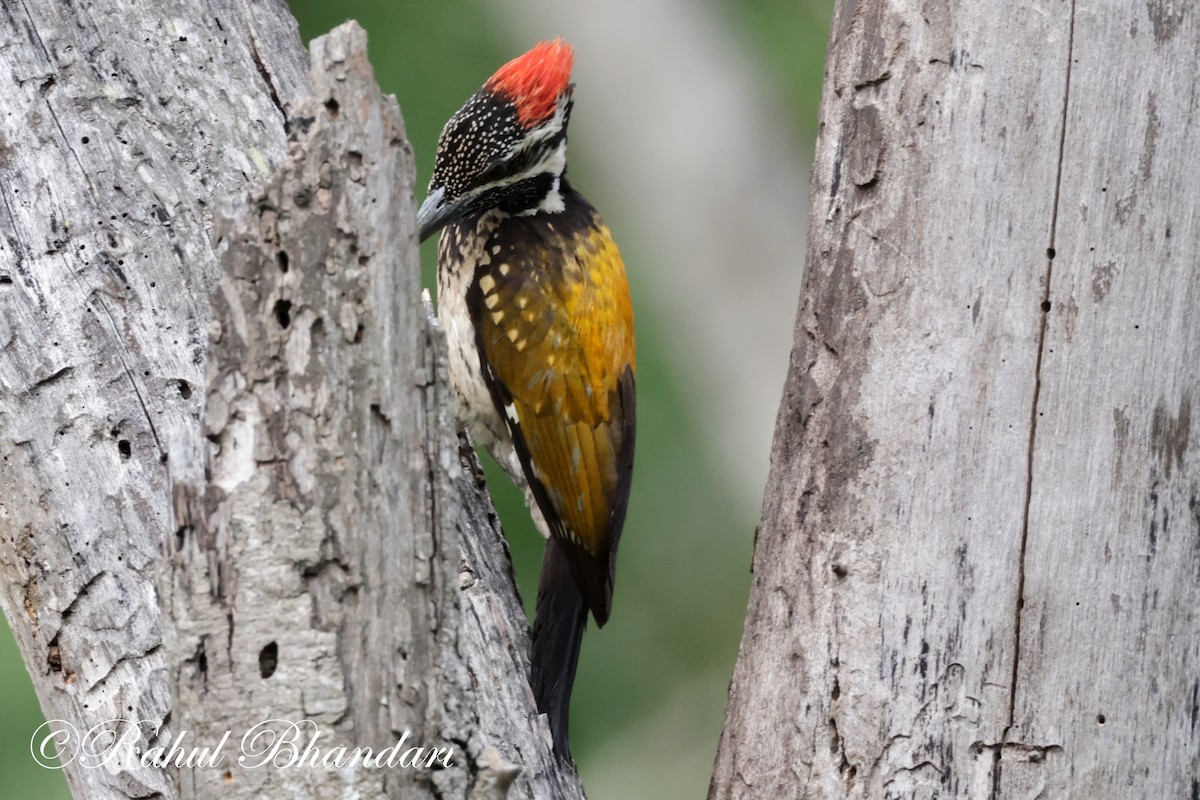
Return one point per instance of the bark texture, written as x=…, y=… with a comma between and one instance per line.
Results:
x=120, y=124
x=316, y=572
x=978, y=568
x=298, y=496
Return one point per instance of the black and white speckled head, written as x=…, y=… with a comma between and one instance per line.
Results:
x=506, y=148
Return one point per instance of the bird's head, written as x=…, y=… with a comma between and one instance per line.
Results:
x=506, y=147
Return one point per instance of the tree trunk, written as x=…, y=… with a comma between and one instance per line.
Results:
x=327, y=558
x=978, y=568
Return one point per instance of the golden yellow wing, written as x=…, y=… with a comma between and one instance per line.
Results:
x=554, y=322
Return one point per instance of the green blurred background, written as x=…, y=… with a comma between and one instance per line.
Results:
x=693, y=120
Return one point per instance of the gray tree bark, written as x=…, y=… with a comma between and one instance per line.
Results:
x=278, y=462
x=978, y=568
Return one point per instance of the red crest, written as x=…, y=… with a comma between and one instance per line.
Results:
x=534, y=81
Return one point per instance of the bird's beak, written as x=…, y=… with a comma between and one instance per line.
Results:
x=435, y=212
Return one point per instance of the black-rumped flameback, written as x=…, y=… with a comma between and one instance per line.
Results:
x=533, y=298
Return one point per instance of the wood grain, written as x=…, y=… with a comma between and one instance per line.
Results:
x=221, y=393
x=120, y=127
x=976, y=572
x=319, y=571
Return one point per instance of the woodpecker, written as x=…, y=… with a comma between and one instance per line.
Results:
x=535, y=304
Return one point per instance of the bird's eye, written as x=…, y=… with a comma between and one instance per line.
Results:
x=494, y=172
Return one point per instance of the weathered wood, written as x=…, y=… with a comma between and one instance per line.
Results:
x=293, y=575
x=120, y=124
x=335, y=562
x=316, y=573
x=978, y=567
x=1109, y=664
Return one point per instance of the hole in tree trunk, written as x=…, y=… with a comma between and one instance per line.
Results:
x=268, y=659
x=283, y=313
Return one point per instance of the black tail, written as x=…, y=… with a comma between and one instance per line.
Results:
x=557, y=633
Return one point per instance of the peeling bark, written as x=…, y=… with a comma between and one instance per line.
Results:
x=978, y=566
x=243, y=409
